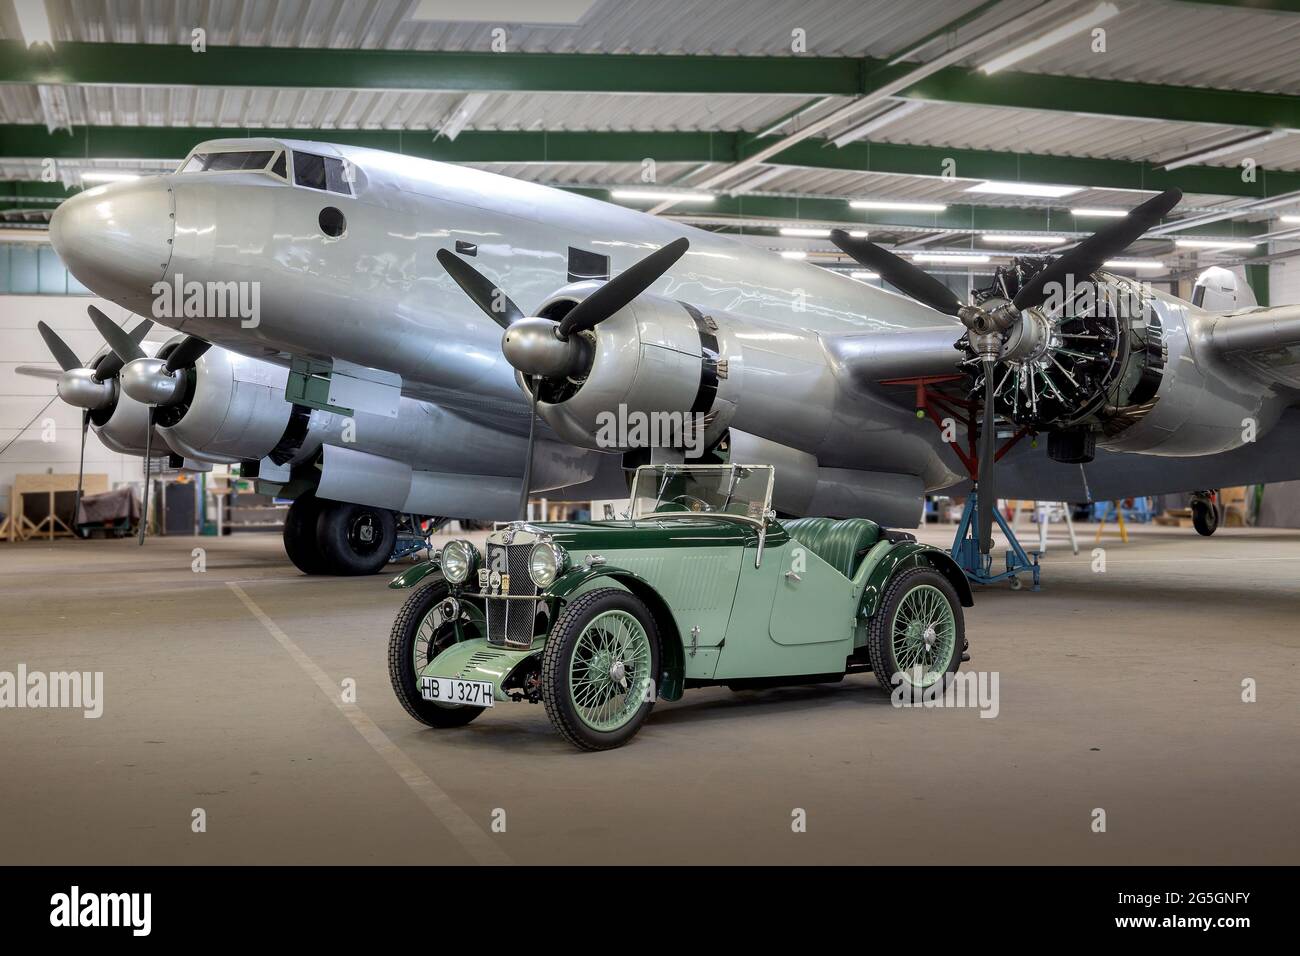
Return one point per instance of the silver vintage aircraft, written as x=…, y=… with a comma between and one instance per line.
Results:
x=431, y=309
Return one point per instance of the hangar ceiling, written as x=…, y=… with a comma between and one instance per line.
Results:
x=889, y=100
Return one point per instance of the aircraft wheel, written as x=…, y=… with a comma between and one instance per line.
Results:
x=300, y=535
x=355, y=539
x=1205, y=516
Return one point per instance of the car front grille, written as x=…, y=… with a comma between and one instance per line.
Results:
x=511, y=622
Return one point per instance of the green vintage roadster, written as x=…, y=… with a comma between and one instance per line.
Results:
x=699, y=585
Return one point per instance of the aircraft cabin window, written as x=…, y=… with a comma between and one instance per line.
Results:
x=227, y=162
x=280, y=168
x=320, y=172
x=587, y=265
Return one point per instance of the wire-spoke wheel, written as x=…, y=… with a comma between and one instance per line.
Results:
x=599, y=667
x=423, y=630
x=917, y=634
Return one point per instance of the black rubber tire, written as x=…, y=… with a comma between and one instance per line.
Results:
x=300, y=542
x=337, y=519
x=558, y=656
x=1205, y=517
x=879, y=644
x=401, y=661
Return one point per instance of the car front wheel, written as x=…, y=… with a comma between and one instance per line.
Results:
x=423, y=630
x=916, y=637
x=599, y=667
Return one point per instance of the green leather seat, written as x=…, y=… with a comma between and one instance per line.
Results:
x=841, y=544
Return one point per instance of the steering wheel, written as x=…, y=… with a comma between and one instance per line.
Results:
x=693, y=503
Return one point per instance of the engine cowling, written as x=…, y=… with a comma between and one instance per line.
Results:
x=654, y=357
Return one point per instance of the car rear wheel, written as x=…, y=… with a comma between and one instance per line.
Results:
x=916, y=637
x=599, y=667
x=425, y=627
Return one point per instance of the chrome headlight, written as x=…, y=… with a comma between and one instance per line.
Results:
x=546, y=562
x=458, y=560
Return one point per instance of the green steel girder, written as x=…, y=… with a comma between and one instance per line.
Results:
x=129, y=142
x=175, y=65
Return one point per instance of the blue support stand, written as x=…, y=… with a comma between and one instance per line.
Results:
x=978, y=567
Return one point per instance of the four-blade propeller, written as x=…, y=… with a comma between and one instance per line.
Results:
x=987, y=330
x=541, y=348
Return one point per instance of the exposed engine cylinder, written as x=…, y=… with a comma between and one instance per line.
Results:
x=1113, y=364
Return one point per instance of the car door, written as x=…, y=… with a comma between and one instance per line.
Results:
x=813, y=603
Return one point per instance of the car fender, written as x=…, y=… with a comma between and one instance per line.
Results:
x=415, y=574
x=671, y=650
x=905, y=556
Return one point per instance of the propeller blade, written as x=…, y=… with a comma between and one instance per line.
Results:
x=187, y=353
x=914, y=281
x=119, y=340
x=528, y=461
x=986, y=491
x=81, y=468
x=1089, y=255
x=622, y=289
x=496, y=305
x=64, y=355
x=39, y=371
x=112, y=363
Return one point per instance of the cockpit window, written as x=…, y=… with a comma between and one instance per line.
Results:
x=225, y=162
x=320, y=172
x=279, y=168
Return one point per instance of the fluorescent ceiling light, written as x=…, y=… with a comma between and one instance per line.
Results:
x=901, y=206
x=1100, y=213
x=1289, y=218
x=1025, y=240
x=948, y=257
x=1214, y=244
x=864, y=275
x=793, y=254
x=802, y=231
x=651, y=195
x=878, y=121
x=1133, y=264
x=862, y=233
x=106, y=176
x=1100, y=14
x=1024, y=189
x=33, y=22
x=1226, y=149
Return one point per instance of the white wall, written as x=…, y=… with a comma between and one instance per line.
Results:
x=21, y=397
x=1284, y=277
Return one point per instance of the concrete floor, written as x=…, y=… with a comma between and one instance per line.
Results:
x=1119, y=691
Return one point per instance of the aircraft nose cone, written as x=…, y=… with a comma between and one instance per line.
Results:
x=116, y=239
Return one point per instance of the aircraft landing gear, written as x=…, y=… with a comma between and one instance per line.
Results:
x=1205, y=512
x=336, y=537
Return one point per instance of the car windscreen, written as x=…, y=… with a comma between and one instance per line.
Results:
x=739, y=490
x=225, y=162
x=320, y=172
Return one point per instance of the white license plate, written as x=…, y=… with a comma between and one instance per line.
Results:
x=449, y=690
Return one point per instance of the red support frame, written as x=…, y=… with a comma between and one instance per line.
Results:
x=936, y=405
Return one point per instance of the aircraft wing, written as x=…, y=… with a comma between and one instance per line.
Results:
x=1263, y=341
x=887, y=362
